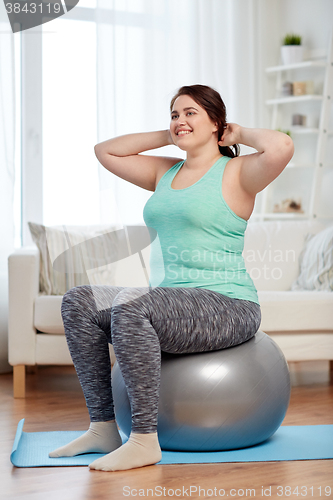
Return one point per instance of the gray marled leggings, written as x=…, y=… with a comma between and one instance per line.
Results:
x=140, y=322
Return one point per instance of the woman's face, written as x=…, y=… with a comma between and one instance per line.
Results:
x=190, y=124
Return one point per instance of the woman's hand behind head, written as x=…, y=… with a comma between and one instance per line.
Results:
x=231, y=135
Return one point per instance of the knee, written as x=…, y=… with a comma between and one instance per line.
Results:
x=130, y=296
x=76, y=298
x=76, y=293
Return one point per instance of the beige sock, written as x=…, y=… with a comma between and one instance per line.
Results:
x=101, y=437
x=140, y=450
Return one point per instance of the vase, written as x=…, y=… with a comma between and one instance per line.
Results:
x=291, y=54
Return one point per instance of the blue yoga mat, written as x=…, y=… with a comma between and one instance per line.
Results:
x=305, y=442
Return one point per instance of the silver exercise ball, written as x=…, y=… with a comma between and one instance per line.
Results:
x=218, y=400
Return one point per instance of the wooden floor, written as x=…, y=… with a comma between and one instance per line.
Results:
x=54, y=402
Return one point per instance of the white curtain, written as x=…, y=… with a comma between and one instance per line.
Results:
x=146, y=50
x=7, y=149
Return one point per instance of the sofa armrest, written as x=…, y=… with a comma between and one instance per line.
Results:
x=23, y=288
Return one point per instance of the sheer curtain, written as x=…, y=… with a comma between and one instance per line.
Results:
x=146, y=49
x=7, y=169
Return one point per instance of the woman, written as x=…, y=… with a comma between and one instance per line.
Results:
x=200, y=297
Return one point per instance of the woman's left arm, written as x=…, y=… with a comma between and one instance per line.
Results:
x=257, y=170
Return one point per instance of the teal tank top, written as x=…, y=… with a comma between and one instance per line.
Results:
x=199, y=240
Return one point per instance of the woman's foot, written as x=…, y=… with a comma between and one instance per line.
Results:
x=101, y=437
x=140, y=450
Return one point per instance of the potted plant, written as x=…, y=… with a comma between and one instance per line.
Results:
x=292, y=49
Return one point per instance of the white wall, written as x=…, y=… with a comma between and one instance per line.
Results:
x=313, y=20
x=7, y=173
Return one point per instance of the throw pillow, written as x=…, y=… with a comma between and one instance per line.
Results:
x=316, y=262
x=75, y=255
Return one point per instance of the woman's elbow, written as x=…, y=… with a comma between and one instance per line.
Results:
x=97, y=150
x=288, y=148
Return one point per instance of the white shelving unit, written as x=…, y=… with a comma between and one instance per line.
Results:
x=288, y=100
x=277, y=107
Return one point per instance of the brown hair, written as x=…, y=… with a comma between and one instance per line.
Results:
x=211, y=101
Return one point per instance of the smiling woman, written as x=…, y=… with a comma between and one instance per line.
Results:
x=200, y=297
x=209, y=101
x=192, y=124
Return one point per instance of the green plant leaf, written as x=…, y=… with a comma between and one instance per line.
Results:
x=292, y=39
x=284, y=131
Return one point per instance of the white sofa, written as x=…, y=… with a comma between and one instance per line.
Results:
x=301, y=322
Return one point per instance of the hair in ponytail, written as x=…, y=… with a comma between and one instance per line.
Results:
x=211, y=101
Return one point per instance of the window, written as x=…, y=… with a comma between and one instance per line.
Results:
x=63, y=181
x=70, y=182
x=18, y=185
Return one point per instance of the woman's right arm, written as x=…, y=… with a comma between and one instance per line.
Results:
x=120, y=155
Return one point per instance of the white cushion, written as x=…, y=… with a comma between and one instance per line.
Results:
x=76, y=255
x=316, y=263
x=271, y=252
x=47, y=314
x=306, y=310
